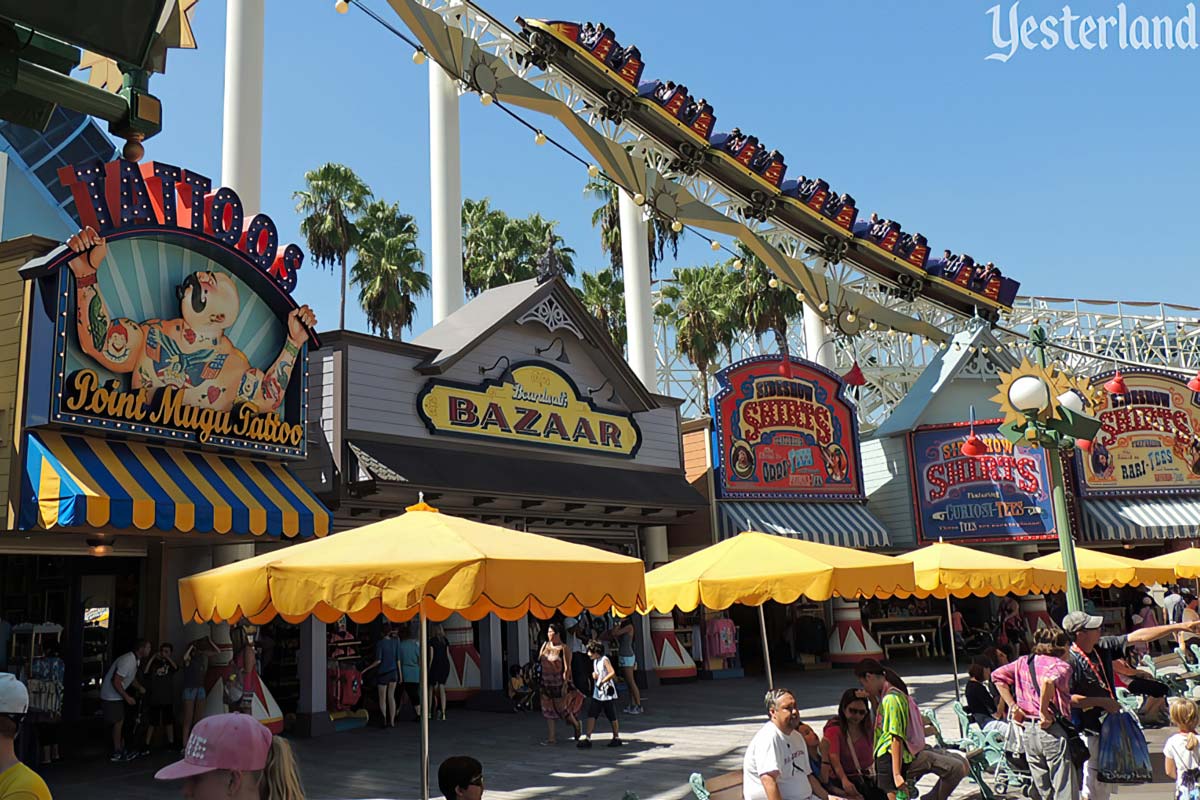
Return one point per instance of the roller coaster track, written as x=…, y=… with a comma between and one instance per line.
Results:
x=1095, y=331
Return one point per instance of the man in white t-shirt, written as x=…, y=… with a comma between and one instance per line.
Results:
x=776, y=765
x=115, y=694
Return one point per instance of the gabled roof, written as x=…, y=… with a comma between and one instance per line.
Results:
x=965, y=354
x=462, y=331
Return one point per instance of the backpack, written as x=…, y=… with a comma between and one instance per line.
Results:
x=914, y=738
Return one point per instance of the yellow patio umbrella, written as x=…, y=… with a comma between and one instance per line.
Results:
x=945, y=570
x=1185, y=563
x=420, y=563
x=752, y=568
x=1098, y=568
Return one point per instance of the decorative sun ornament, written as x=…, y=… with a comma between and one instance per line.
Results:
x=1054, y=381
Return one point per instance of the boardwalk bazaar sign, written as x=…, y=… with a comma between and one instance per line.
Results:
x=538, y=405
x=174, y=314
x=1003, y=495
x=784, y=430
x=1148, y=441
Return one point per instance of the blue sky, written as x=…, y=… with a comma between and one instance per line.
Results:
x=1074, y=171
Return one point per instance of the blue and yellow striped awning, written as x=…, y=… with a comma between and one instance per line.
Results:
x=80, y=481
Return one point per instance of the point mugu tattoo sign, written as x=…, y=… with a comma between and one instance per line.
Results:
x=173, y=315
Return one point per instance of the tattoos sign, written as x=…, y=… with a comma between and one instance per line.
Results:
x=173, y=320
x=536, y=404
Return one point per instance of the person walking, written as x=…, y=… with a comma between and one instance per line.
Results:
x=624, y=633
x=578, y=636
x=160, y=672
x=1093, y=690
x=604, y=695
x=234, y=757
x=560, y=699
x=410, y=669
x=243, y=671
x=387, y=659
x=116, y=693
x=439, y=669
x=195, y=672
x=17, y=781
x=776, y=765
x=1181, y=755
x=1038, y=689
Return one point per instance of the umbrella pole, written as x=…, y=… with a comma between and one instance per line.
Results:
x=953, y=646
x=424, y=638
x=762, y=624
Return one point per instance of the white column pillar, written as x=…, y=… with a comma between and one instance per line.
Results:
x=670, y=658
x=518, y=642
x=491, y=654
x=816, y=341
x=445, y=194
x=639, y=321
x=241, y=138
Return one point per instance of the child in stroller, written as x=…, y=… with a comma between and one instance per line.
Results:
x=522, y=686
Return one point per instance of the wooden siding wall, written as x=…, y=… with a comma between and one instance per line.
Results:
x=889, y=495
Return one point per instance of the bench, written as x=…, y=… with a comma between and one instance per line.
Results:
x=921, y=648
x=721, y=787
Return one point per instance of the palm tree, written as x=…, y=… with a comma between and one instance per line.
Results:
x=389, y=270
x=498, y=249
x=603, y=295
x=758, y=305
x=607, y=217
x=695, y=303
x=331, y=200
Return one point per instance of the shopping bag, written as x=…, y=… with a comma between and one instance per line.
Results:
x=1014, y=746
x=1124, y=756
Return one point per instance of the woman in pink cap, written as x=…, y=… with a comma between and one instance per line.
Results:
x=234, y=757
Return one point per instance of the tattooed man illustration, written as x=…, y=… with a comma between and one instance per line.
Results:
x=191, y=353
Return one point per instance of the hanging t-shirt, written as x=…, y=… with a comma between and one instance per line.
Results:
x=772, y=752
x=19, y=782
x=608, y=689
x=126, y=666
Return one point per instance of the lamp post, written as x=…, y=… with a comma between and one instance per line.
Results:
x=1044, y=408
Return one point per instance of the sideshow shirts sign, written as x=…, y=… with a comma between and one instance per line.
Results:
x=1147, y=442
x=1002, y=495
x=784, y=429
x=537, y=405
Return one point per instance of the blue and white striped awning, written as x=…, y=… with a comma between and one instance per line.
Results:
x=1141, y=518
x=843, y=524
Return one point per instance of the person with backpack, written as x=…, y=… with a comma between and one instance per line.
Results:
x=1181, y=752
x=901, y=755
x=1038, y=689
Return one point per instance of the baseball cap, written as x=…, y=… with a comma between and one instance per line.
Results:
x=14, y=697
x=225, y=741
x=1078, y=621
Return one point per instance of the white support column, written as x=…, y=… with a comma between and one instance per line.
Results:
x=670, y=658
x=242, y=123
x=491, y=655
x=639, y=320
x=518, y=642
x=445, y=194
x=816, y=342
x=312, y=663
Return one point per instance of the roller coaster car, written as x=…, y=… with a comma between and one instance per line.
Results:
x=816, y=195
x=597, y=41
x=747, y=151
x=681, y=107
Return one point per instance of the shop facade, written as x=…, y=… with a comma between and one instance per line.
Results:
x=154, y=416
x=778, y=453
x=515, y=410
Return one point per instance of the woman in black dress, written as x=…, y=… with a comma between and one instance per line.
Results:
x=439, y=669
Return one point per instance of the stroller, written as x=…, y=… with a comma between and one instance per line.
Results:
x=523, y=683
